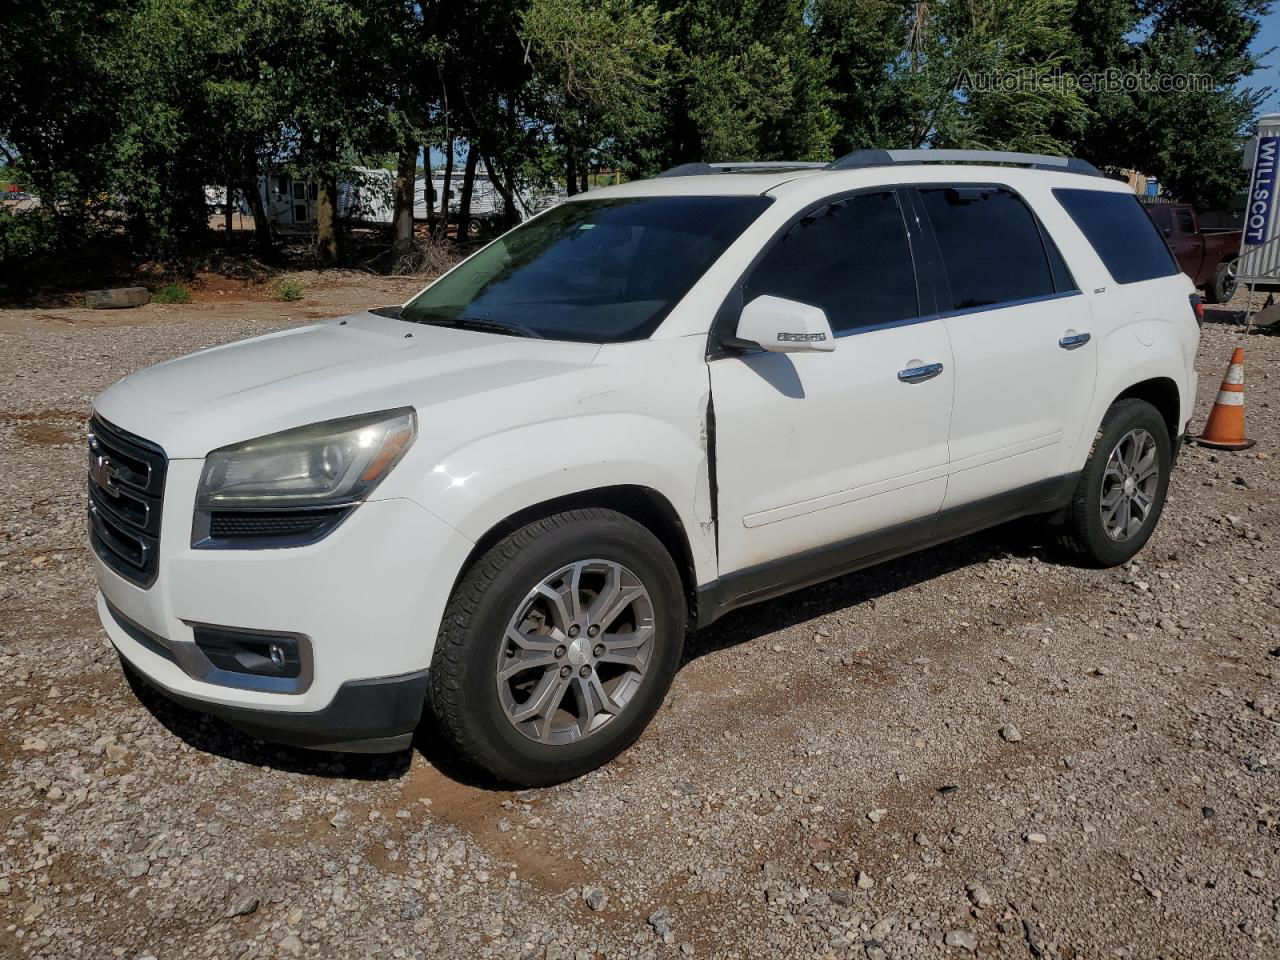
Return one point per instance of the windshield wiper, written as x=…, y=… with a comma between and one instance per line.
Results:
x=488, y=324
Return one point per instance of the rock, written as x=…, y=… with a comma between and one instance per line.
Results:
x=242, y=905
x=292, y=946
x=116, y=752
x=979, y=896
x=878, y=814
x=595, y=897
x=136, y=867
x=1037, y=838
x=842, y=898
x=117, y=298
x=456, y=854
x=864, y=881
x=883, y=928
x=1010, y=733
x=660, y=920
x=962, y=939
x=504, y=825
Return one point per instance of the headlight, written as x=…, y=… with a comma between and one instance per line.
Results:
x=323, y=464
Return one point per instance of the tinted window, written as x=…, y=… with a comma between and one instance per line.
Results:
x=1062, y=279
x=850, y=257
x=590, y=270
x=1124, y=237
x=1186, y=223
x=990, y=244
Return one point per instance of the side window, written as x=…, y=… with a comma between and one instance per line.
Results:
x=1186, y=222
x=1063, y=281
x=990, y=244
x=851, y=258
x=1124, y=237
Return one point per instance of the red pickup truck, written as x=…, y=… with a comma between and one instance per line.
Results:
x=1203, y=254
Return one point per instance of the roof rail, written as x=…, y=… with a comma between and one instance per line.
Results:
x=757, y=166
x=1038, y=161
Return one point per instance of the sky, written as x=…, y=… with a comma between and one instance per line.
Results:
x=1269, y=75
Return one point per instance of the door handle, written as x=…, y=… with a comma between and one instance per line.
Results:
x=1073, y=340
x=920, y=374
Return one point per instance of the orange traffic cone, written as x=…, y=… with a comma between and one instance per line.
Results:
x=1224, y=430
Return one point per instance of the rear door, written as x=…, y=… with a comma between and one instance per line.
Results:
x=815, y=449
x=1020, y=332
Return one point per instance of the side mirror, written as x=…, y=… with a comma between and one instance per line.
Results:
x=784, y=326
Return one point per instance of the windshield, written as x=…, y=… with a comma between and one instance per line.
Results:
x=597, y=271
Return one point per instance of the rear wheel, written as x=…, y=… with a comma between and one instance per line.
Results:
x=1223, y=285
x=1121, y=491
x=558, y=646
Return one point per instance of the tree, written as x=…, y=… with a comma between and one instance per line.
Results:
x=598, y=67
x=747, y=82
x=1189, y=139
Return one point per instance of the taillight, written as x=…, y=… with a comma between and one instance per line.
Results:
x=1197, y=307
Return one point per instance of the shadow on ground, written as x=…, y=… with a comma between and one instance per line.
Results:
x=215, y=736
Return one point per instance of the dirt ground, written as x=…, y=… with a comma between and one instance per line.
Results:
x=827, y=778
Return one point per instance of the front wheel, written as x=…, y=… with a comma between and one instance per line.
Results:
x=1121, y=491
x=558, y=646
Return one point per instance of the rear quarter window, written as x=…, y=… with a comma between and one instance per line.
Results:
x=1120, y=231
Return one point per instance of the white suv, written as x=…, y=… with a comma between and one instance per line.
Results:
x=511, y=498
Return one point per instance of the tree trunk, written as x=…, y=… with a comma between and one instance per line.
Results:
x=447, y=193
x=402, y=217
x=505, y=192
x=468, y=186
x=327, y=218
x=585, y=173
x=261, y=224
x=230, y=195
x=570, y=171
x=429, y=190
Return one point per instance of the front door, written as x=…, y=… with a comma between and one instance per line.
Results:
x=817, y=449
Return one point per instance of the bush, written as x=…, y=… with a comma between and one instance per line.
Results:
x=289, y=290
x=172, y=293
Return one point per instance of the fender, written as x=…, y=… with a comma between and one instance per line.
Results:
x=479, y=485
x=1133, y=352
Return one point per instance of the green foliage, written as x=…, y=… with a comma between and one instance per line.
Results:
x=172, y=293
x=289, y=290
x=120, y=113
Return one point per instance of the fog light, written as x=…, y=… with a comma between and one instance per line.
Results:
x=242, y=651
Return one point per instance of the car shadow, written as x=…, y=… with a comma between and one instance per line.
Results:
x=215, y=736
x=212, y=735
x=1021, y=538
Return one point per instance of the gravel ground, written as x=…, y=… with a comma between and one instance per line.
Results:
x=974, y=750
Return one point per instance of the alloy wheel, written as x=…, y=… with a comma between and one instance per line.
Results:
x=1129, y=484
x=575, y=652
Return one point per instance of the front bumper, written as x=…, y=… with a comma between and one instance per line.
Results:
x=368, y=599
x=365, y=716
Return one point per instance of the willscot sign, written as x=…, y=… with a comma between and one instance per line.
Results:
x=1262, y=192
x=1259, y=261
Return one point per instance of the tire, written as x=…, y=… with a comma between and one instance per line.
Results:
x=613, y=558
x=1222, y=287
x=1085, y=533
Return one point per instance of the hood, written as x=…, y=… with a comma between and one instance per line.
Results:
x=336, y=368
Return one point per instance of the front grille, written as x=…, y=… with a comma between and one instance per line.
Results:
x=126, y=492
